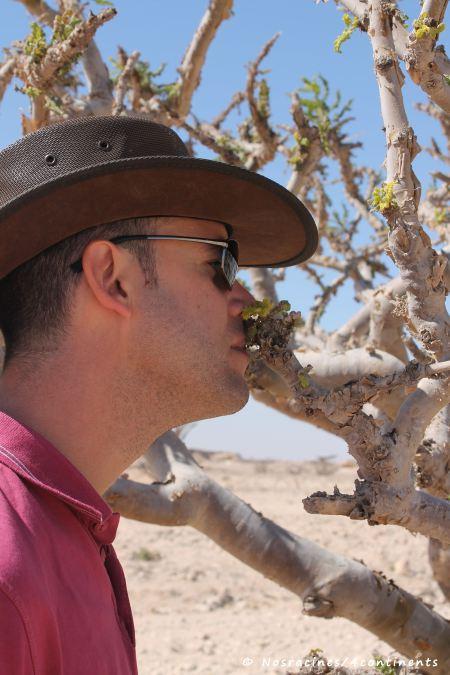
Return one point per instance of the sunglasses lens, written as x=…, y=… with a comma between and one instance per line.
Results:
x=229, y=266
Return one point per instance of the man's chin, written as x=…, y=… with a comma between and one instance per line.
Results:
x=227, y=401
x=239, y=398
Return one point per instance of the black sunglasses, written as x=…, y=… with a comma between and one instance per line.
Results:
x=227, y=267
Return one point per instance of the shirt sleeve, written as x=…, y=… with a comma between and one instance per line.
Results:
x=15, y=653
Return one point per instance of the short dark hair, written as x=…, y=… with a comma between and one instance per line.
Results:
x=35, y=298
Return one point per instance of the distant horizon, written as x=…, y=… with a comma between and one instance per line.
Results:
x=314, y=460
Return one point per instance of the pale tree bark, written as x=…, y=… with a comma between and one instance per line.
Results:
x=420, y=55
x=6, y=75
x=194, y=58
x=263, y=284
x=433, y=463
x=426, y=64
x=328, y=585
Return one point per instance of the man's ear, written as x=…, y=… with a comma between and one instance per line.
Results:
x=108, y=272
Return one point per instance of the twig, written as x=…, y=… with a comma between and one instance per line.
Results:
x=260, y=118
x=6, y=74
x=237, y=99
x=122, y=83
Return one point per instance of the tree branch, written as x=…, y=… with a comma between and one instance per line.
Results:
x=420, y=54
x=329, y=585
x=260, y=111
x=194, y=58
x=6, y=74
x=122, y=83
x=411, y=249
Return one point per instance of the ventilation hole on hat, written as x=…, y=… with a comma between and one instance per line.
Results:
x=104, y=145
x=50, y=159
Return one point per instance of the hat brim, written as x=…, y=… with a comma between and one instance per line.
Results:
x=273, y=228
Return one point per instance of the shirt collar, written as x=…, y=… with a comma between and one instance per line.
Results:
x=34, y=458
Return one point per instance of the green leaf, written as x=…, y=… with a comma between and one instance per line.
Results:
x=35, y=44
x=303, y=381
x=350, y=26
x=383, y=198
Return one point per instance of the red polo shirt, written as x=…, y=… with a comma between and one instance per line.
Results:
x=64, y=607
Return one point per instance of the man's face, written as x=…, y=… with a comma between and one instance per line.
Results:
x=188, y=333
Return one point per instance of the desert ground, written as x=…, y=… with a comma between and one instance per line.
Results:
x=197, y=609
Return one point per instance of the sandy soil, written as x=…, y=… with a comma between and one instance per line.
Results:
x=198, y=609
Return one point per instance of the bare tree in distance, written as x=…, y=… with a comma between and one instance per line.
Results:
x=380, y=381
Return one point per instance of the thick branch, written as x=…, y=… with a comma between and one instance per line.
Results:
x=418, y=263
x=420, y=57
x=327, y=583
x=194, y=58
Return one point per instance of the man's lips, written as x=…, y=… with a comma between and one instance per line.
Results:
x=239, y=345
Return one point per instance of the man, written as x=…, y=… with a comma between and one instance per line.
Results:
x=122, y=319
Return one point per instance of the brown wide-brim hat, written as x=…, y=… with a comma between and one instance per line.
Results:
x=89, y=171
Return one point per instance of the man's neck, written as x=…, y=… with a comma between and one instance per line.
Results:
x=93, y=425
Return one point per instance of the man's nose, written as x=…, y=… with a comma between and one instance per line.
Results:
x=240, y=298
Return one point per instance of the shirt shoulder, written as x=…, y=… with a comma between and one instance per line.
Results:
x=35, y=527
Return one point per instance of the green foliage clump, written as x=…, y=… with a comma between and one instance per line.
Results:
x=146, y=79
x=303, y=381
x=105, y=3
x=30, y=91
x=35, y=44
x=317, y=108
x=54, y=104
x=263, y=104
x=424, y=28
x=260, y=309
x=146, y=76
x=299, y=151
x=63, y=26
x=383, y=198
x=227, y=143
x=350, y=26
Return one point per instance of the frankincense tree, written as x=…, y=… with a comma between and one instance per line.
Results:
x=380, y=381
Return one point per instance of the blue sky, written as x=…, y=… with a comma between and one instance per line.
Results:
x=161, y=30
